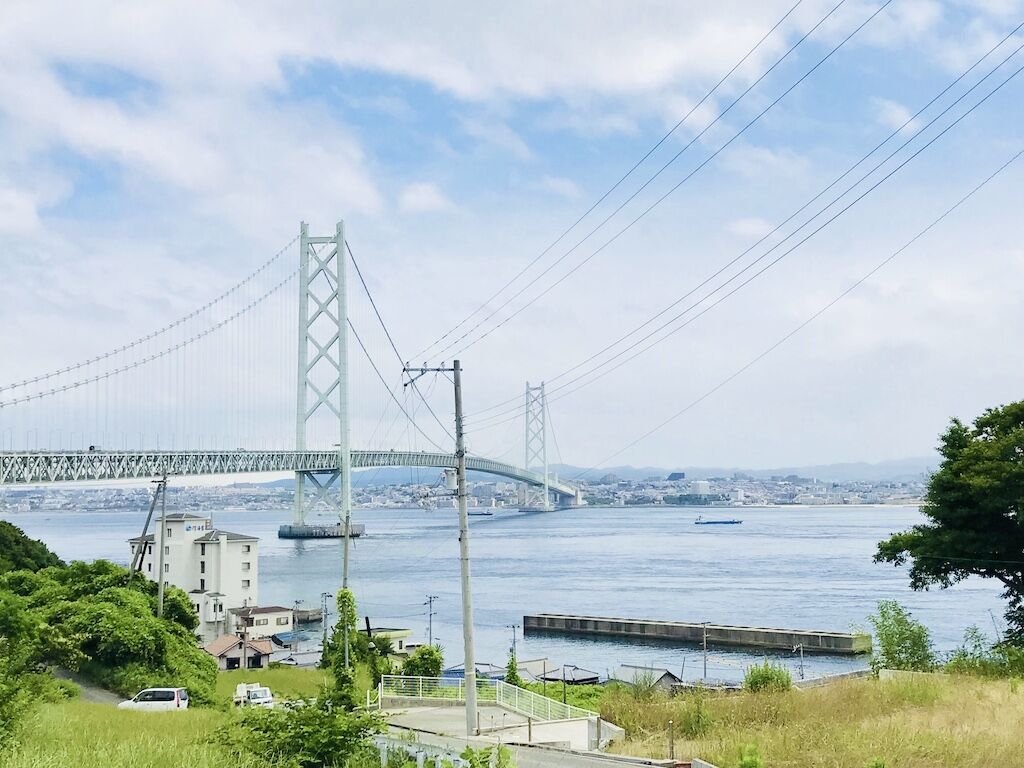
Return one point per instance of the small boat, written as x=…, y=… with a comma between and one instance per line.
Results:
x=480, y=514
x=701, y=521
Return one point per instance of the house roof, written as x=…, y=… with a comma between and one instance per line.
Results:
x=148, y=538
x=225, y=643
x=246, y=612
x=216, y=533
x=185, y=516
x=571, y=675
x=628, y=673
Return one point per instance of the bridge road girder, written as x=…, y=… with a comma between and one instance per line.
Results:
x=38, y=468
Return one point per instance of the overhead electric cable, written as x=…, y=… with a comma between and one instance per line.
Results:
x=391, y=341
x=618, y=183
x=376, y=370
x=788, y=219
x=650, y=208
x=809, y=320
x=635, y=344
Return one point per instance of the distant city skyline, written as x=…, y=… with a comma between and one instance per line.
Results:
x=149, y=162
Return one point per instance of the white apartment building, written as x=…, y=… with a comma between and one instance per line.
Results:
x=258, y=623
x=218, y=569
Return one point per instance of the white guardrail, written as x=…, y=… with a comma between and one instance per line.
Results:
x=511, y=697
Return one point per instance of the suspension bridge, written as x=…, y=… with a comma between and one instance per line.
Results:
x=229, y=349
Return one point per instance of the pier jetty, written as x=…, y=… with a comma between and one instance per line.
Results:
x=307, y=531
x=690, y=633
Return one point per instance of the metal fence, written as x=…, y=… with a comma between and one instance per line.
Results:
x=499, y=692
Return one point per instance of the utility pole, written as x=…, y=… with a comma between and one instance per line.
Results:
x=323, y=614
x=162, y=490
x=430, y=618
x=513, y=627
x=472, y=724
x=705, y=651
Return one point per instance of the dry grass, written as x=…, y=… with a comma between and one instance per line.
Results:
x=918, y=723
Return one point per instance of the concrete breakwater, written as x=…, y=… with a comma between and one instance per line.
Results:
x=841, y=643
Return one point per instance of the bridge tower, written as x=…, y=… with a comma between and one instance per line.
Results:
x=323, y=362
x=536, y=446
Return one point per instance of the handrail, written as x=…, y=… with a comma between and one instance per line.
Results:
x=504, y=694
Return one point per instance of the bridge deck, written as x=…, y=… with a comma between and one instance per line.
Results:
x=32, y=468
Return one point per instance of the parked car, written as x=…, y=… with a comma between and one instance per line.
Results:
x=157, y=700
x=253, y=695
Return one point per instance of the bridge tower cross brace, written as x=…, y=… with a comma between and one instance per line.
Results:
x=323, y=363
x=536, y=445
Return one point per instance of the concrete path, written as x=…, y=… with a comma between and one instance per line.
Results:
x=538, y=757
x=90, y=691
x=450, y=720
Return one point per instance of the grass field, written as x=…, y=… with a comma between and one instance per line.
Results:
x=85, y=735
x=925, y=722
x=284, y=682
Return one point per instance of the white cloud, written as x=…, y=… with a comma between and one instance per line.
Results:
x=751, y=228
x=894, y=115
x=562, y=187
x=497, y=134
x=423, y=197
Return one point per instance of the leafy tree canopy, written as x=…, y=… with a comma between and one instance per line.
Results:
x=975, y=511
x=425, y=661
x=19, y=552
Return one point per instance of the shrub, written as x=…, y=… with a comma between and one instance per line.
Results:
x=644, y=686
x=768, y=676
x=425, y=661
x=976, y=656
x=750, y=757
x=313, y=734
x=697, y=719
x=901, y=642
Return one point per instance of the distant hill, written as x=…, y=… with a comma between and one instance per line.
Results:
x=884, y=471
x=895, y=471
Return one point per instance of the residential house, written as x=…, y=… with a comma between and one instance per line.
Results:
x=233, y=652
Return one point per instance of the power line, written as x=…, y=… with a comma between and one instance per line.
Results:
x=676, y=317
x=654, y=205
x=808, y=321
x=384, y=382
x=618, y=183
x=394, y=347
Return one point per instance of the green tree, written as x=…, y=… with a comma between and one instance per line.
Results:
x=901, y=642
x=19, y=552
x=425, y=661
x=512, y=672
x=975, y=511
x=19, y=642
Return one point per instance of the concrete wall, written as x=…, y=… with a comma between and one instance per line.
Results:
x=717, y=634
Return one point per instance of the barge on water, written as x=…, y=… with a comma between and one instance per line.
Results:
x=307, y=531
x=690, y=633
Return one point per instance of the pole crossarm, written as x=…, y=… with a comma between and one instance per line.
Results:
x=33, y=468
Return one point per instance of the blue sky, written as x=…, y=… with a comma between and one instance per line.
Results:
x=152, y=157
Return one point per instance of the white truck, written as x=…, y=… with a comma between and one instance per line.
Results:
x=253, y=695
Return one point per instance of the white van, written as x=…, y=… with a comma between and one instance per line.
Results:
x=157, y=700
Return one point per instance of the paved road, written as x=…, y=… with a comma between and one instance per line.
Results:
x=90, y=691
x=537, y=757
